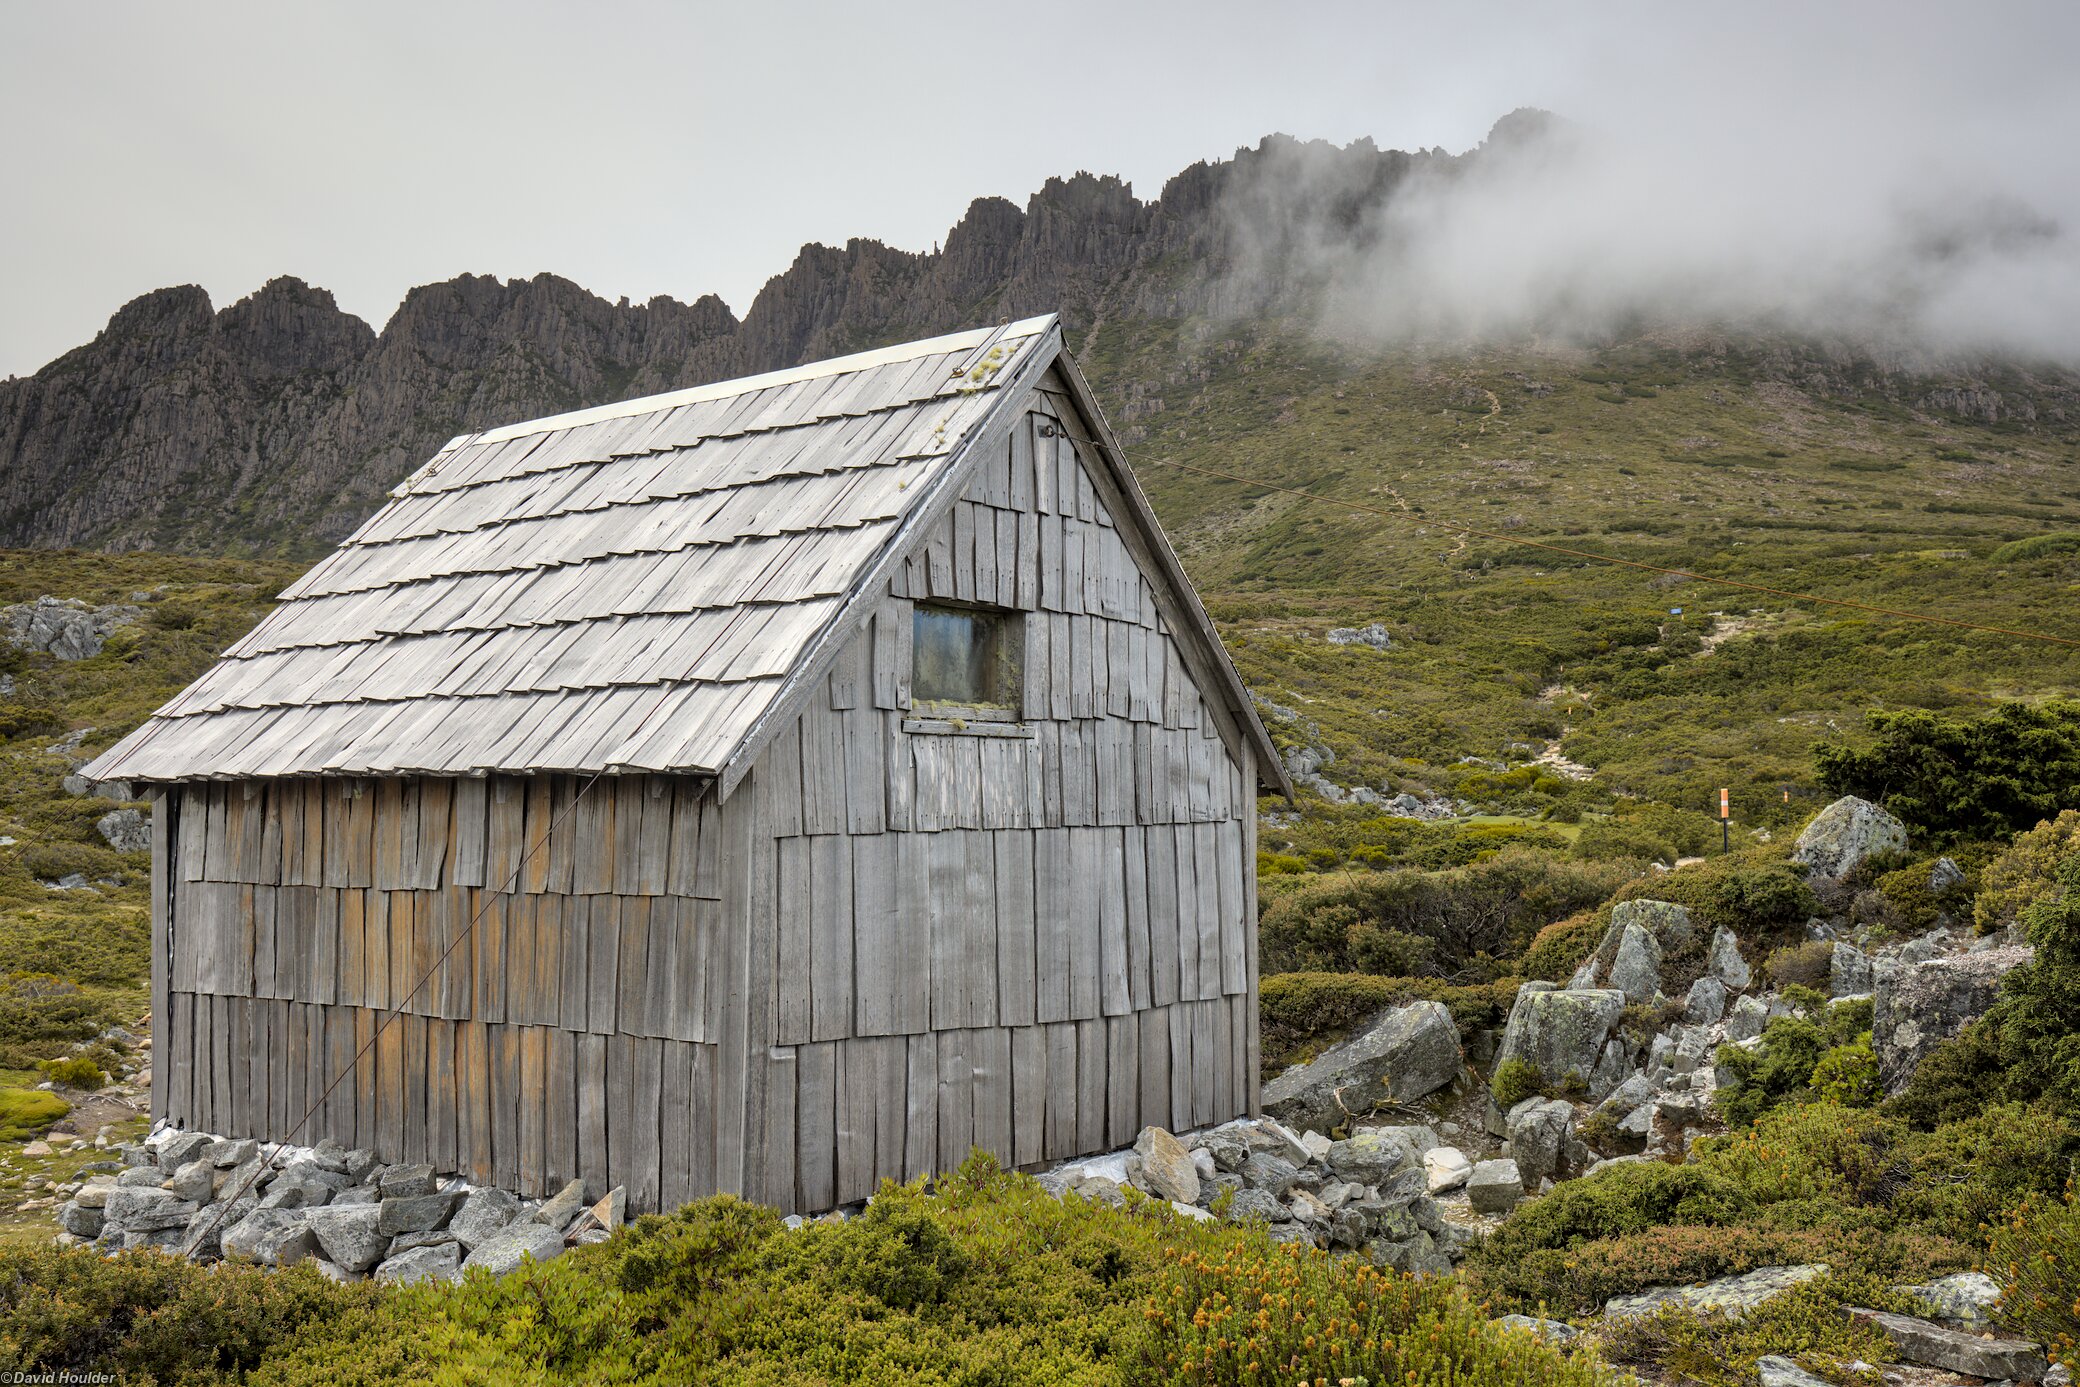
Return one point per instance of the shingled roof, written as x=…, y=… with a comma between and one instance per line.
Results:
x=627, y=588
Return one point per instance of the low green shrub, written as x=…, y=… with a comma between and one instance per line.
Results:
x=1514, y=1081
x=1755, y=892
x=1606, y=841
x=982, y=1279
x=1558, y=949
x=152, y=1318
x=75, y=1072
x=1418, y=921
x=1957, y=779
x=1802, y=965
x=1299, y=1315
x=1784, y=1067
x=2026, y=1047
x=2034, y=1253
x=2025, y=872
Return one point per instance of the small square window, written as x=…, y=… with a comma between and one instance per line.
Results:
x=966, y=662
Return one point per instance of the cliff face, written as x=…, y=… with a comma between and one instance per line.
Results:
x=276, y=424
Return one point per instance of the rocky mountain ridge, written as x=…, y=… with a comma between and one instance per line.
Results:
x=274, y=425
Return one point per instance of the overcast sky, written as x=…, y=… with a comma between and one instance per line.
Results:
x=684, y=149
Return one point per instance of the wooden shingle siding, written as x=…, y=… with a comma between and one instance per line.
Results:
x=893, y=941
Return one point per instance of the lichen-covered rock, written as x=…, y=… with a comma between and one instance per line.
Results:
x=194, y=1181
x=182, y=1147
x=63, y=627
x=1272, y=1174
x=273, y=1237
x=1494, y=1187
x=1724, y=962
x=1706, y=1002
x=1746, y=1020
x=484, y=1213
x=1843, y=834
x=1370, y=1158
x=1257, y=1204
x=1539, y=1131
x=1919, y=1006
x=1849, y=972
x=562, y=1207
x=1562, y=1033
x=125, y=830
x=1732, y=1294
x=1402, y=1055
x=415, y=1213
x=399, y=1181
x=142, y=1209
x=1775, y=1370
x=1636, y=967
x=1965, y=1296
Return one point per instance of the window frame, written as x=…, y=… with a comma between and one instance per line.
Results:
x=1007, y=674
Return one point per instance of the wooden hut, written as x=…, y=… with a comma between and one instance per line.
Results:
x=766, y=787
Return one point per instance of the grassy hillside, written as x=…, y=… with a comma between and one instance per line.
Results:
x=1687, y=458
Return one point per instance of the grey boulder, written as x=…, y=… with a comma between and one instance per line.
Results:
x=350, y=1234
x=1166, y=1164
x=1560, y=1033
x=436, y=1262
x=1965, y=1296
x=484, y=1213
x=1706, y=1002
x=275, y=1237
x=1929, y=1344
x=1402, y=1055
x=1849, y=971
x=1843, y=835
x=1920, y=1006
x=1725, y=963
x=505, y=1250
x=1775, y=1370
x=1539, y=1131
x=1636, y=967
x=125, y=830
x=1370, y=1158
x=1494, y=1187
x=414, y=1213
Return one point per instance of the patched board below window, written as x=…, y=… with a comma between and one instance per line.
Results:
x=966, y=662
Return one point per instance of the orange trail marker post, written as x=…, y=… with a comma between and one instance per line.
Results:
x=1725, y=822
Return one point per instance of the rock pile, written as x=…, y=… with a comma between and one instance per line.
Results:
x=1375, y=1193
x=214, y=1198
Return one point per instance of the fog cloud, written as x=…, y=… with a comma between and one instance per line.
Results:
x=1926, y=233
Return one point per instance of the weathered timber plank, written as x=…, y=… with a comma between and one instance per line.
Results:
x=989, y=1050
x=1016, y=939
x=794, y=904
x=1054, y=899
x=830, y=937
x=603, y=964
x=1115, y=998
x=816, y=1118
